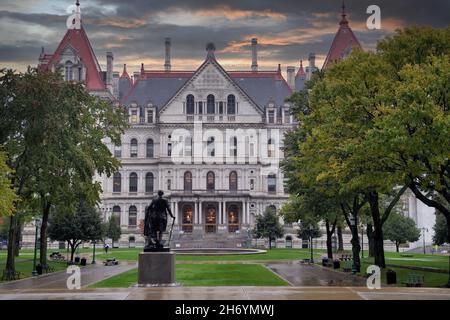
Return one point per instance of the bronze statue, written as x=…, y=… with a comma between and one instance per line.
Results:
x=155, y=223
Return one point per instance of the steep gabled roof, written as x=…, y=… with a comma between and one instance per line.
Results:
x=78, y=40
x=344, y=41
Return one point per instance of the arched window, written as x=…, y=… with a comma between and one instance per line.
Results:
x=188, y=181
x=233, y=181
x=190, y=104
x=272, y=208
x=118, y=151
x=133, y=148
x=68, y=76
x=233, y=147
x=149, y=178
x=116, y=214
x=272, y=183
x=231, y=104
x=210, y=104
x=210, y=181
x=133, y=182
x=132, y=217
x=132, y=242
x=150, y=148
x=270, y=148
x=211, y=147
x=117, y=182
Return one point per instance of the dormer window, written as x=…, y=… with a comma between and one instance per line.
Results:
x=68, y=76
x=271, y=116
x=150, y=116
x=190, y=104
x=231, y=104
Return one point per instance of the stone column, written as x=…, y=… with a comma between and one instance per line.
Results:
x=225, y=215
x=200, y=218
x=220, y=213
x=196, y=214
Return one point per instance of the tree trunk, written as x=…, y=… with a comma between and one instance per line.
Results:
x=378, y=230
x=397, y=245
x=340, y=239
x=270, y=244
x=447, y=217
x=72, y=251
x=43, y=236
x=371, y=241
x=10, y=260
x=18, y=238
x=330, y=231
x=356, y=248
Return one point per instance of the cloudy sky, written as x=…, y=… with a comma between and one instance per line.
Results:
x=287, y=30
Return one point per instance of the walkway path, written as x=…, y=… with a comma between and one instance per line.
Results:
x=57, y=280
x=231, y=293
x=312, y=275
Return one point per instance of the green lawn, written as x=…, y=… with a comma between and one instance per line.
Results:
x=206, y=275
x=274, y=254
x=24, y=264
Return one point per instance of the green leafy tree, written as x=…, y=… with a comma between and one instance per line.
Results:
x=53, y=132
x=113, y=228
x=75, y=227
x=400, y=229
x=8, y=196
x=440, y=229
x=268, y=226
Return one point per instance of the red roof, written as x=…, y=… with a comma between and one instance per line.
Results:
x=125, y=73
x=78, y=39
x=344, y=40
x=301, y=71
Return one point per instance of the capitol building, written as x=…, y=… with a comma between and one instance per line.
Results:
x=210, y=138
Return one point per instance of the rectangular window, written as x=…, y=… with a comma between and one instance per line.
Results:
x=252, y=184
x=134, y=116
x=200, y=107
x=169, y=149
x=150, y=116
x=272, y=183
x=287, y=116
x=169, y=184
x=271, y=116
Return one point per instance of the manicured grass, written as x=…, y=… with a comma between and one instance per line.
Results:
x=206, y=275
x=417, y=259
x=274, y=254
x=24, y=265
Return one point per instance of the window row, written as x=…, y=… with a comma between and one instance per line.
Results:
x=150, y=149
x=187, y=182
x=211, y=106
x=132, y=215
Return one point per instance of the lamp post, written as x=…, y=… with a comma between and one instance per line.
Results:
x=37, y=223
x=423, y=238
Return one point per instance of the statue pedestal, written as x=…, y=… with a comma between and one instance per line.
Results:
x=156, y=268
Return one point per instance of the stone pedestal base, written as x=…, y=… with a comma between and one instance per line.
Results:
x=156, y=268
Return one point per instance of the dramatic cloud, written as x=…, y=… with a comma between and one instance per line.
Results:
x=134, y=30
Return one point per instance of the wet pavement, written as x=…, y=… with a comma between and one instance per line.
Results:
x=231, y=293
x=58, y=280
x=298, y=274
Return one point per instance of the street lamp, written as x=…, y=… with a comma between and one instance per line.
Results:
x=93, y=254
x=37, y=223
x=423, y=238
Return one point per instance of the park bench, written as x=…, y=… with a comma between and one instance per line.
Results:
x=8, y=276
x=111, y=262
x=414, y=280
x=346, y=257
x=347, y=266
x=48, y=269
x=56, y=256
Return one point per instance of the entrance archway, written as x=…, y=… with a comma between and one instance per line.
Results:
x=210, y=219
x=187, y=218
x=233, y=218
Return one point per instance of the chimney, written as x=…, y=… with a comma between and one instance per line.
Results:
x=312, y=65
x=136, y=76
x=291, y=77
x=167, y=65
x=254, y=54
x=109, y=70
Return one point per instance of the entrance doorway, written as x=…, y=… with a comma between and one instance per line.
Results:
x=210, y=219
x=187, y=218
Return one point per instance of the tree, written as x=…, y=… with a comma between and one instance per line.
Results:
x=75, y=227
x=309, y=230
x=113, y=229
x=8, y=196
x=400, y=229
x=268, y=226
x=440, y=229
x=54, y=133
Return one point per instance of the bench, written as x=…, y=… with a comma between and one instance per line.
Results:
x=111, y=262
x=414, y=280
x=48, y=269
x=8, y=276
x=346, y=257
x=57, y=256
x=347, y=266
